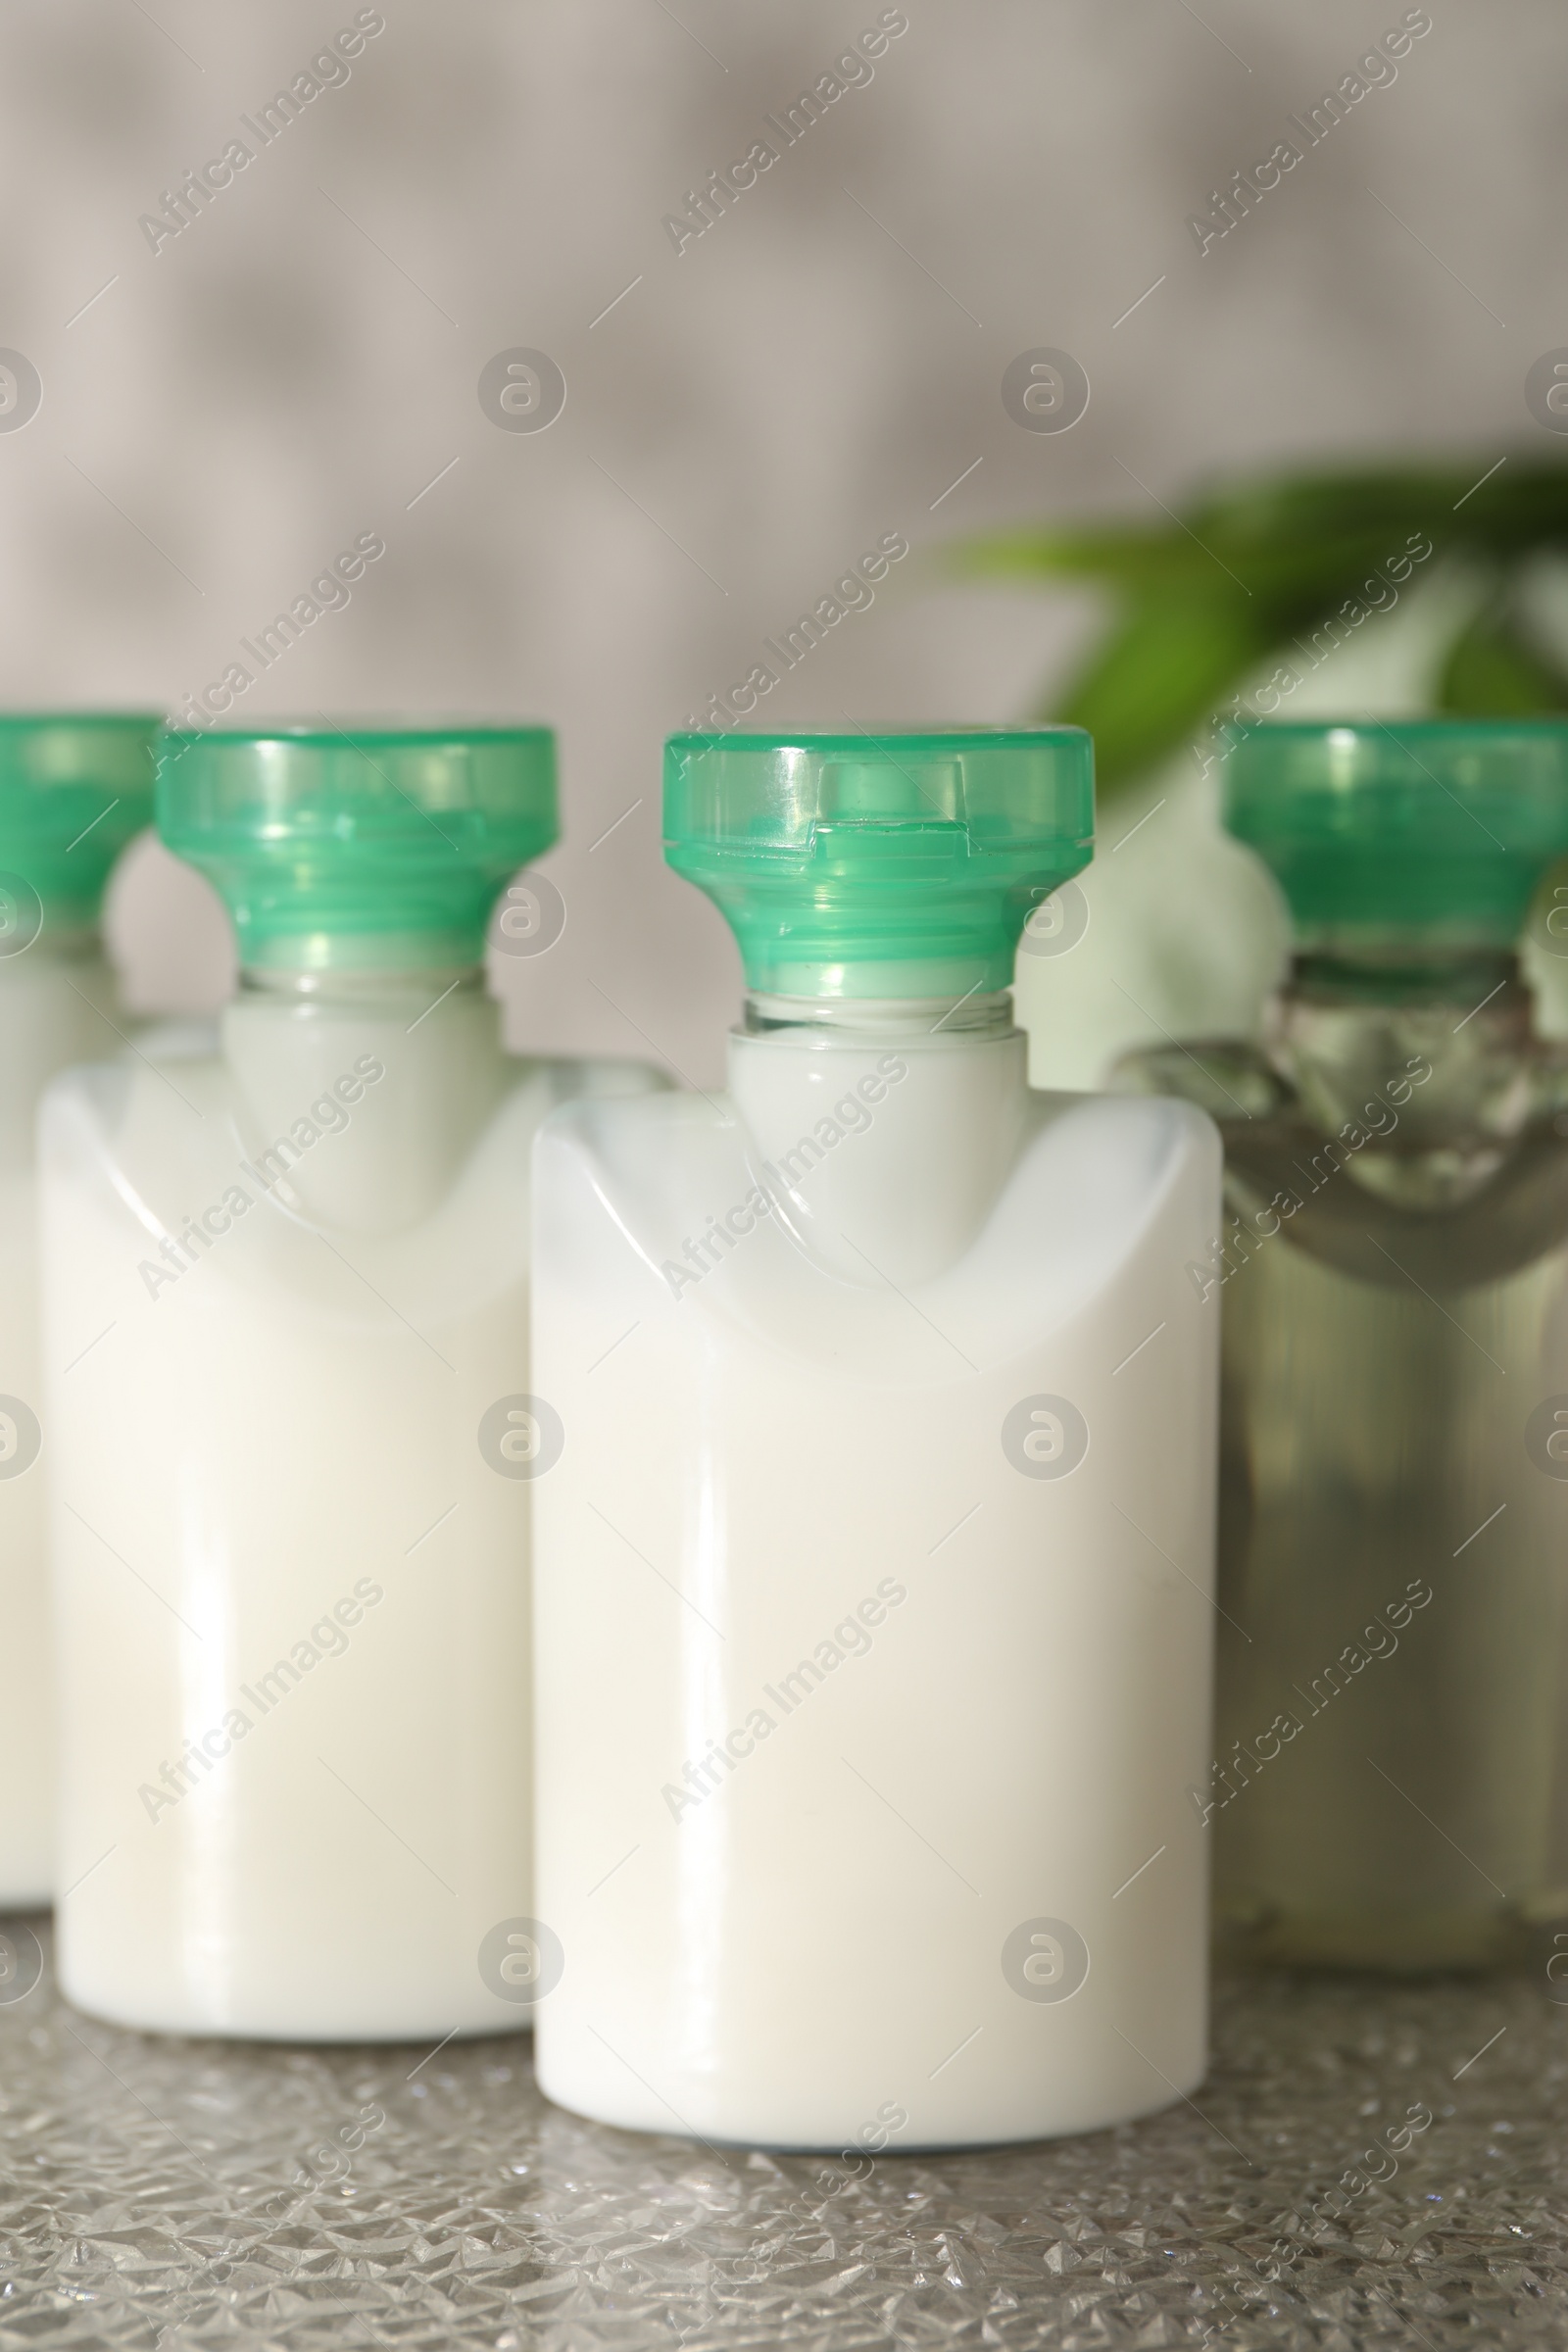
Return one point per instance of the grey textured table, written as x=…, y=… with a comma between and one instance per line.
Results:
x=181, y=2194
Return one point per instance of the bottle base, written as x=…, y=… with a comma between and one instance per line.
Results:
x=424, y=2025
x=856, y=2141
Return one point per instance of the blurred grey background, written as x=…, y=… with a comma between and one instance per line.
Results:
x=744, y=417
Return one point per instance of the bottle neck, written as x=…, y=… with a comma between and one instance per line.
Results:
x=361, y=1092
x=1446, y=1035
x=377, y=991
x=1391, y=972
x=907, y=1021
x=881, y=1130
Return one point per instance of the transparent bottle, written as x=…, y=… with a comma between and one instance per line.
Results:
x=74, y=786
x=1390, y=1781
x=873, y=1616
x=290, y=1472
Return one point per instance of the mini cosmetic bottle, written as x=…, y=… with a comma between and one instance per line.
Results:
x=74, y=786
x=873, y=1614
x=292, y=1469
x=1389, y=1787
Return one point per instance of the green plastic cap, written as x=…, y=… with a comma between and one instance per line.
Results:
x=1437, y=826
x=74, y=786
x=896, y=864
x=341, y=847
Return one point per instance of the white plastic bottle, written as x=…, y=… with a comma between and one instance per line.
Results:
x=873, y=1610
x=74, y=786
x=290, y=1474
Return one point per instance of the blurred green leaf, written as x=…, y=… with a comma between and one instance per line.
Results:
x=1245, y=568
x=1130, y=559
x=1159, y=677
x=1294, y=566
x=1493, y=672
x=1517, y=503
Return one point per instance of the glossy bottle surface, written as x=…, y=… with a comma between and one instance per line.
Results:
x=293, y=1582
x=56, y=1003
x=872, y=1593
x=1389, y=1778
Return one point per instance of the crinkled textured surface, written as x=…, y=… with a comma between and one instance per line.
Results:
x=166, y=2195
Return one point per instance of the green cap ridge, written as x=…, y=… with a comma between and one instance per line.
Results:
x=74, y=787
x=1440, y=826
x=898, y=864
x=336, y=846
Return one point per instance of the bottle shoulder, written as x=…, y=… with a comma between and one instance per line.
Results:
x=176, y=1059
x=1393, y=1208
x=659, y=1213
x=639, y=1128
x=1090, y=1175
x=1232, y=1079
x=162, y=1132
